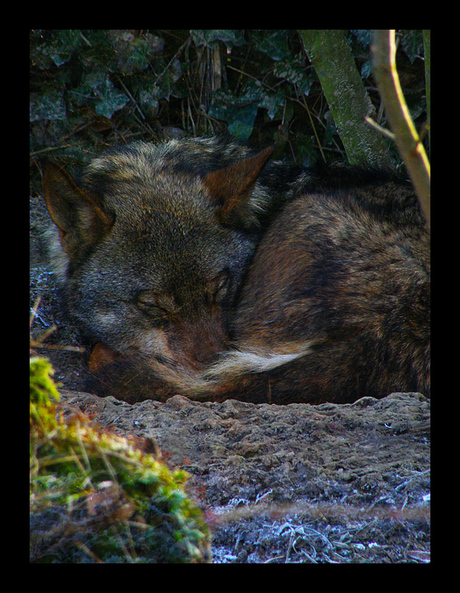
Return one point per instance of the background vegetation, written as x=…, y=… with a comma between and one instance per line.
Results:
x=91, y=89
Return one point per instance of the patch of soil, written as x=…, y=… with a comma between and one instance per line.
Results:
x=325, y=483
x=294, y=483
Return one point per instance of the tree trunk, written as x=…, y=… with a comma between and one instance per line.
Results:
x=347, y=98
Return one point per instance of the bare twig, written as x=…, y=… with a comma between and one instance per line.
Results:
x=136, y=104
x=37, y=343
x=379, y=128
x=176, y=55
x=313, y=126
x=407, y=140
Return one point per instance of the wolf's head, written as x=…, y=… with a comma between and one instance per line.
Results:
x=153, y=243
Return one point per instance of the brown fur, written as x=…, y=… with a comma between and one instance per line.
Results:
x=196, y=267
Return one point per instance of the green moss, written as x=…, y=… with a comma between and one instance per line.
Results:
x=98, y=497
x=43, y=390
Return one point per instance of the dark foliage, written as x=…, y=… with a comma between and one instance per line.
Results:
x=91, y=89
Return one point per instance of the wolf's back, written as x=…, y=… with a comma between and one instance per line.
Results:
x=313, y=284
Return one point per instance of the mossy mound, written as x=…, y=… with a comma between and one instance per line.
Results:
x=99, y=497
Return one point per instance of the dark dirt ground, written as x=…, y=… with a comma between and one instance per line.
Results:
x=297, y=483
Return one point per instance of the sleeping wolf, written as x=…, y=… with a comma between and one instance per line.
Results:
x=200, y=267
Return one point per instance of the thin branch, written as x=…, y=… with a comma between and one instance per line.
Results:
x=407, y=140
x=176, y=55
x=379, y=128
x=314, y=128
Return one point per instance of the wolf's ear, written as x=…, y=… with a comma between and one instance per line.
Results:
x=77, y=214
x=232, y=187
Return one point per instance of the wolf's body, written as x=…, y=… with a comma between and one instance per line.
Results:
x=201, y=268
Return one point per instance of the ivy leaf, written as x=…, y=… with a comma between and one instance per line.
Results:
x=111, y=102
x=253, y=90
x=242, y=127
x=364, y=36
x=47, y=106
x=62, y=47
x=412, y=43
x=274, y=43
x=98, y=91
x=134, y=54
x=293, y=70
x=240, y=112
x=230, y=37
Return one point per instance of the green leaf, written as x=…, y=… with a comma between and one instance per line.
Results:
x=272, y=102
x=240, y=112
x=207, y=36
x=265, y=98
x=292, y=69
x=274, y=43
x=412, y=44
x=134, y=54
x=165, y=85
x=242, y=129
x=366, y=69
x=364, y=36
x=62, y=46
x=47, y=106
x=113, y=101
x=98, y=91
x=148, y=102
